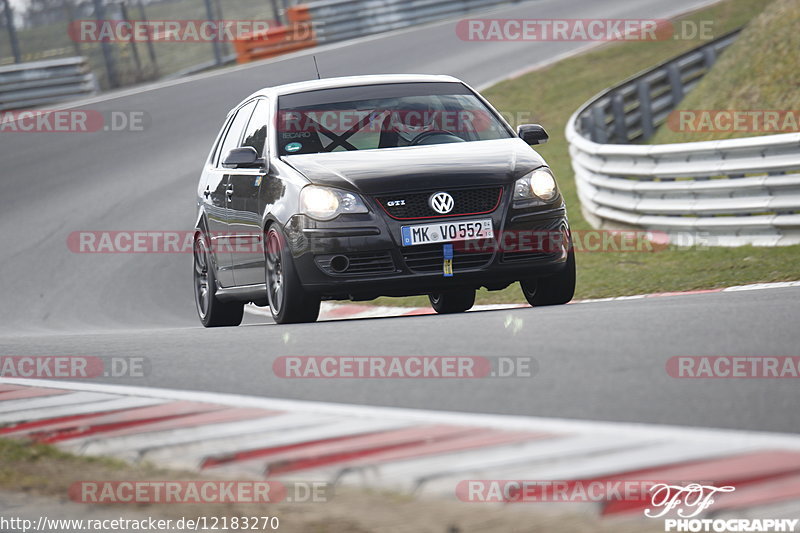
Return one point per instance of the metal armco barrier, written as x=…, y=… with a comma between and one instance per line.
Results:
x=724, y=193
x=38, y=83
x=337, y=20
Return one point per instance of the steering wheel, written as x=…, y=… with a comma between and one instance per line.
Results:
x=426, y=134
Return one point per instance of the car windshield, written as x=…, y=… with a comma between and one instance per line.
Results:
x=373, y=117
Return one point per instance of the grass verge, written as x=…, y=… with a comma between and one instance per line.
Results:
x=758, y=72
x=551, y=95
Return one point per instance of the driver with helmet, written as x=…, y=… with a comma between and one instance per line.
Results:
x=413, y=122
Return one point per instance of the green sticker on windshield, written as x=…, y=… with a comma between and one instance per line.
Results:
x=293, y=147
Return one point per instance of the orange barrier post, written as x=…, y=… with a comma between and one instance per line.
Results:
x=298, y=35
x=301, y=13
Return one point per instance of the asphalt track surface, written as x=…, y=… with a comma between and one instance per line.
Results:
x=602, y=361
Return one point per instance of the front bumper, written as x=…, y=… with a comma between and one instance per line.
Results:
x=378, y=265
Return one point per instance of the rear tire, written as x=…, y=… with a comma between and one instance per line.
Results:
x=289, y=302
x=556, y=289
x=448, y=302
x=213, y=313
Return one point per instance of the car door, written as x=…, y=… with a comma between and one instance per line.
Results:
x=244, y=210
x=218, y=198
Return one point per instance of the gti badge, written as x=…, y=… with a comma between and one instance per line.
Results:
x=441, y=202
x=395, y=203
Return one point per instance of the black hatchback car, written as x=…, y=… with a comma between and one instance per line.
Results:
x=354, y=188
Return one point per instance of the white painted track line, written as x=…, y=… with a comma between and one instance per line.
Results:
x=57, y=400
x=192, y=455
x=635, y=459
x=43, y=413
x=622, y=430
x=350, y=311
x=164, y=442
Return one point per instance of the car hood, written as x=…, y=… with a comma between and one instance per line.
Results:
x=420, y=167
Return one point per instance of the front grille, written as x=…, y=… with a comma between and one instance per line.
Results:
x=360, y=263
x=466, y=202
x=430, y=258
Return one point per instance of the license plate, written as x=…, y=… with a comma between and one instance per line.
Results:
x=465, y=230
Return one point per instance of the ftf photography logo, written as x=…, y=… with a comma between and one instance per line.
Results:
x=689, y=501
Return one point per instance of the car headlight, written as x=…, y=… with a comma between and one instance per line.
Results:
x=323, y=203
x=539, y=184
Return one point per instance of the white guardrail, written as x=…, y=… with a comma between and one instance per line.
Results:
x=722, y=193
x=337, y=20
x=38, y=83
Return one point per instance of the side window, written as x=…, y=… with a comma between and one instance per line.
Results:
x=214, y=155
x=235, y=131
x=256, y=133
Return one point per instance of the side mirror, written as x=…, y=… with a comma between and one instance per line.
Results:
x=245, y=157
x=533, y=134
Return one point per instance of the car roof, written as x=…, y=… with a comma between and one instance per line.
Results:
x=348, y=81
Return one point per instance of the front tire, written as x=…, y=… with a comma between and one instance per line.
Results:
x=556, y=289
x=449, y=302
x=213, y=313
x=289, y=302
